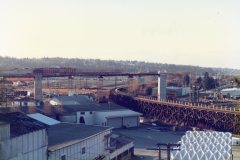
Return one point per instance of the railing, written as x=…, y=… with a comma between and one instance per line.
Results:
x=190, y=104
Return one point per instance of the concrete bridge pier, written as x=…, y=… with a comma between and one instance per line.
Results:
x=130, y=84
x=38, y=87
x=100, y=82
x=162, y=84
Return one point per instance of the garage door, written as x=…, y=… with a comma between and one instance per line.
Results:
x=114, y=122
x=130, y=121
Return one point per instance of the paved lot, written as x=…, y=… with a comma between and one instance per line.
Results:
x=236, y=152
x=144, y=137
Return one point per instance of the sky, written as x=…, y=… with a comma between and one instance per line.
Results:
x=188, y=32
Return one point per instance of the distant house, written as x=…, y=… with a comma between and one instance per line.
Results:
x=25, y=102
x=19, y=83
x=173, y=92
x=82, y=109
x=22, y=138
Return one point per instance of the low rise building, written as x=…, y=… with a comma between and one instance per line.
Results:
x=91, y=113
x=173, y=91
x=231, y=92
x=22, y=138
x=25, y=102
x=76, y=141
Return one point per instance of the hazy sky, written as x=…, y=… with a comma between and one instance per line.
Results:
x=195, y=32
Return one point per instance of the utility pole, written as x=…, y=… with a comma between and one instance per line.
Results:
x=165, y=147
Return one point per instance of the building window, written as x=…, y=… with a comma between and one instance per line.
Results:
x=63, y=157
x=83, y=150
x=90, y=112
x=82, y=113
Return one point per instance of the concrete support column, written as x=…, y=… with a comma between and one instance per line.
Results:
x=130, y=84
x=100, y=82
x=162, y=84
x=38, y=87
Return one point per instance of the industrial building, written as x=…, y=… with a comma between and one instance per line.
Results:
x=231, y=93
x=22, y=138
x=25, y=102
x=76, y=141
x=43, y=138
x=173, y=92
x=82, y=109
x=67, y=137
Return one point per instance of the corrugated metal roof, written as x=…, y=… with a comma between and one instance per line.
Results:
x=44, y=119
x=20, y=123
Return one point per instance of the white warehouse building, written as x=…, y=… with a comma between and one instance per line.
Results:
x=117, y=119
x=91, y=113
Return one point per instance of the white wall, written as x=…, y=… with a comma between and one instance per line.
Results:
x=100, y=119
x=32, y=146
x=89, y=118
x=94, y=146
x=233, y=92
x=130, y=118
x=186, y=90
x=131, y=121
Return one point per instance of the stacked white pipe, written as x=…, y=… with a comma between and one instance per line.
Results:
x=204, y=145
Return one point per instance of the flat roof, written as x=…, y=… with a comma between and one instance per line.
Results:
x=65, y=134
x=231, y=89
x=96, y=107
x=86, y=104
x=120, y=140
x=80, y=99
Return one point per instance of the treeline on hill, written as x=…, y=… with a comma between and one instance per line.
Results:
x=8, y=63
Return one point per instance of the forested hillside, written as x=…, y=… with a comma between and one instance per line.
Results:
x=9, y=63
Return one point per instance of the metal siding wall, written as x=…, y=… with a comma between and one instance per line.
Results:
x=130, y=121
x=28, y=146
x=93, y=147
x=115, y=122
x=30, y=141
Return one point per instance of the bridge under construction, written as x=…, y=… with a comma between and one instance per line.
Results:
x=171, y=112
x=39, y=73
